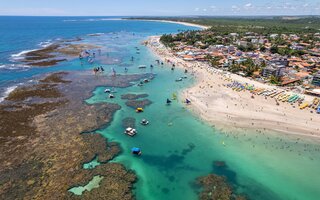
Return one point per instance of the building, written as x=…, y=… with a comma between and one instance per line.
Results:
x=279, y=61
x=316, y=80
x=275, y=70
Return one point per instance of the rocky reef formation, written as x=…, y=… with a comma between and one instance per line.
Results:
x=45, y=137
x=56, y=52
x=216, y=187
x=138, y=103
x=133, y=96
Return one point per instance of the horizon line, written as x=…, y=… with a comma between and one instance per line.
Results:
x=262, y=15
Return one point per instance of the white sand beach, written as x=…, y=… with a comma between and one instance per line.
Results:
x=228, y=109
x=174, y=22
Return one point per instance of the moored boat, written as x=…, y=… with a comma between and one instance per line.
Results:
x=144, y=122
x=130, y=131
x=136, y=151
x=142, y=66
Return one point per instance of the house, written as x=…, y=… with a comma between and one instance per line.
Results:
x=234, y=34
x=243, y=43
x=274, y=36
x=280, y=61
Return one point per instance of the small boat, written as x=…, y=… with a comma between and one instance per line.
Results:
x=136, y=151
x=139, y=110
x=146, y=80
x=142, y=67
x=188, y=101
x=151, y=66
x=179, y=79
x=168, y=101
x=107, y=91
x=111, y=96
x=144, y=122
x=130, y=131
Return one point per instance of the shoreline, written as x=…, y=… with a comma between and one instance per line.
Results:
x=172, y=22
x=229, y=110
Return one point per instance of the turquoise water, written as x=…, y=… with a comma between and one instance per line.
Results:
x=92, y=164
x=176, y=146
x=94, y=183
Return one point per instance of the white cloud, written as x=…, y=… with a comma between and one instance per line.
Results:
x=248, y=5
x=196, y=9
x=204, y=10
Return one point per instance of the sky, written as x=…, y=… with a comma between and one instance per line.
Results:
x=158, y=7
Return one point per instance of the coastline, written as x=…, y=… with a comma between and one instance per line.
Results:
x=237, y=111
x=173, y=22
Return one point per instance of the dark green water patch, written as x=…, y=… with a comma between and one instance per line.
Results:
x=129, y=122
x=221, y=168
x=167, y=163
x=165, y=190
x=190, y=148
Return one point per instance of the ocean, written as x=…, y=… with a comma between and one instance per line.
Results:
x=177, y=147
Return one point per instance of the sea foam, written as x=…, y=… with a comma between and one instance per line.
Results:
x=20, y=55
x=7, y=91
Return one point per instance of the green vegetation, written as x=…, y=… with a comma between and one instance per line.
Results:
x=261, y=25
x=275, y=80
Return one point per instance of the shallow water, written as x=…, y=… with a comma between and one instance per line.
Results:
x=94, y=183
x=176, y=146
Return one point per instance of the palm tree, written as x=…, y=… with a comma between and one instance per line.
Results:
x=274, y=80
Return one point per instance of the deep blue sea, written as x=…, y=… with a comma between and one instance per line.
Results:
x=19, y=34
x=177, y=146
